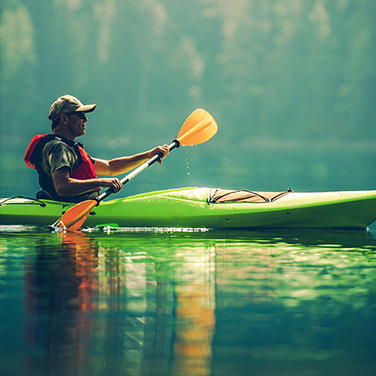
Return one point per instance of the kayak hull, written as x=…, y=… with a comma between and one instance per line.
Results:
x=190, y=207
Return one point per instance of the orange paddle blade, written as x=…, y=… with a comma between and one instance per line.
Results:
x=74, y=217
x=199, y=127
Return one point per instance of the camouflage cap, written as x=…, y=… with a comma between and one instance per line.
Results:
x=66, y=104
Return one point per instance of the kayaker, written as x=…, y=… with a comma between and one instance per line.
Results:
x=66, y=172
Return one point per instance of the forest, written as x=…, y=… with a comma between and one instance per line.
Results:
x=291, y=84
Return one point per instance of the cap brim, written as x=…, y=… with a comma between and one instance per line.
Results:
x=86, y=108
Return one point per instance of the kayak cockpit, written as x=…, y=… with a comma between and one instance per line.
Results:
x=227, y=195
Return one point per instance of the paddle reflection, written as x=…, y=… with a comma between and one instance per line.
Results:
x=195, y=318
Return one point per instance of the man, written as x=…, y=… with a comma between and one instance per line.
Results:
x=66, y=172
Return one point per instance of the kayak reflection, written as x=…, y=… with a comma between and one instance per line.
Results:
x=166, y=303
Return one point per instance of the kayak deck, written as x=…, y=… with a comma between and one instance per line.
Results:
x=193, y=207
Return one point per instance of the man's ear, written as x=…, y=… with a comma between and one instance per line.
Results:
x=64, y=118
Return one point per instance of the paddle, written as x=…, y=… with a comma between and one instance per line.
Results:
x=198, y=128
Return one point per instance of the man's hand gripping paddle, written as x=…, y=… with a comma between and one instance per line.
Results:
x=199, y=127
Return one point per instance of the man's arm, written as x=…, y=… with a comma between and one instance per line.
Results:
x=67, y=186
x=121, y=165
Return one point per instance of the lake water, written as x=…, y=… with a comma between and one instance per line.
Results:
x=163, y=302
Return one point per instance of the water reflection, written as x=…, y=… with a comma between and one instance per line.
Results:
x=158, y=306
x=215, y=303
x=195, y=317
x=59, y=287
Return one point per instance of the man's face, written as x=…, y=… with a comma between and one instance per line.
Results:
x=77, y=123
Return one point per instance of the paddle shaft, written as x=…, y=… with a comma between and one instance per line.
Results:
x=175, y=144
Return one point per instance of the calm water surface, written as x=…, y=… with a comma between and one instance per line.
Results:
x=115, y=302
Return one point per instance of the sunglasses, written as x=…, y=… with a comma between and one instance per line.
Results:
x=80, y=114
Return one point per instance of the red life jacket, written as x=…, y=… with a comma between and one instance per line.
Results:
x=84, y=170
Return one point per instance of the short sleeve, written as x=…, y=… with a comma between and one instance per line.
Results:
x=56, y=155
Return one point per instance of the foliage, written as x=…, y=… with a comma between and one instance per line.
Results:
x=272, y=70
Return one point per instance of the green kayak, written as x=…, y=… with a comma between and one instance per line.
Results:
x=209, y=208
